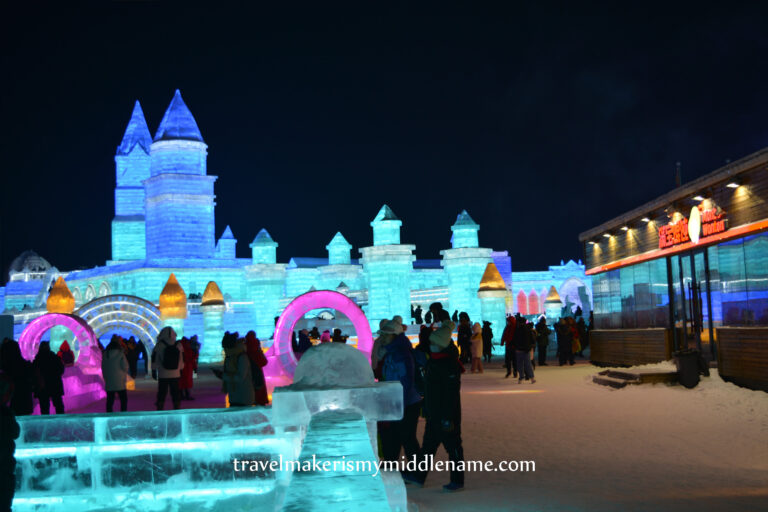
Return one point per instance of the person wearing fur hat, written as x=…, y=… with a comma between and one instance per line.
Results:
x=168, y=360
x=442, y=403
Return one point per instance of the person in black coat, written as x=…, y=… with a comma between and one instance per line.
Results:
x=20, y=371
x=9, y=431
x=464, y=337
x=523, y=342
x=487, y=341
x=49, y=371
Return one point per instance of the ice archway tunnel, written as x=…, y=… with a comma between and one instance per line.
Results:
x=301, y=305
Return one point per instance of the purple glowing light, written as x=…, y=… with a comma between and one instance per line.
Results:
x=301, y=305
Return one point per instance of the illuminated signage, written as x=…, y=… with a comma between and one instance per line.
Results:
x=700, y=224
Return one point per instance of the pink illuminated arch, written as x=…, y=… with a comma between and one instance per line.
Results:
x=303, y=304
x=90, y=355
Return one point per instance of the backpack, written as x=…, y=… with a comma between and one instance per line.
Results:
x=171, y=357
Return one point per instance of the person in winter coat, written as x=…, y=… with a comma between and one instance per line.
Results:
x=115, y=369
x=141, y=351
x=169, y=365
x=464, y=338
x=477, y=348
x=21, y=373
x=9, y=432
x=66, y=355
x=304, y=343
x=132, y=356
x=258, y=361
x=338, y=337
x=542, y=340
x=237, y=378
x=398, y=365
x=49, y=370
x=509, y=349
x=442, y=403
x=523, y=343
x=325, y=337
x=376, y=350
x=564, y=342
x=190, y=365
x=487, y=341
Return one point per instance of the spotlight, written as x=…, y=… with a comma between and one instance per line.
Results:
x=625, y=228
x=606, y=235
x=698, y=198
x=646, y=220
x=592, y=242
x=733, y=184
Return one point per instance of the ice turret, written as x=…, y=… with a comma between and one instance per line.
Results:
x=386, y=227
x=180, y=201
x=464, y=231
x=338, y=250
x=264, y=249
x=60, y=299
x=493, y=294
x=173, y=305
x=212, y=307
x=227, y=245
x=132, y=167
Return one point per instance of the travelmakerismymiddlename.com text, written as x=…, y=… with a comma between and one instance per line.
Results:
x=373, y=468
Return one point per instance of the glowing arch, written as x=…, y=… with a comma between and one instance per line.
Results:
x=305, y=303
x=522, y=303
x=533, y=303
x=104, y=289
x=90, y=354
x=123, y=312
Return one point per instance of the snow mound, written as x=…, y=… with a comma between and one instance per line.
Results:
x=332, y=365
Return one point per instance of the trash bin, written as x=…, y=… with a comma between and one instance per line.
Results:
x=687, y=362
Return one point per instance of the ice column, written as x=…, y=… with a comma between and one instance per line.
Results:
x=553, y=306
x=213, y=308
x=493, y=294
x=464, y=264
x=266, y=282
x=387, y=267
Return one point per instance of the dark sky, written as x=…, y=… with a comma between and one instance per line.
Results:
x=541, y=120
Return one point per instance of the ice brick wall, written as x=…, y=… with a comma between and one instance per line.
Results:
x=150, y=460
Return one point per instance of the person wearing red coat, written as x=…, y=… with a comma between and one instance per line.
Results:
x=190, y=365
x=258, y=362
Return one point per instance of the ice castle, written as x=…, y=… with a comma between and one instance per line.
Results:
x=164, y=225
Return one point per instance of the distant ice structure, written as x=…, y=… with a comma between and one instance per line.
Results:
x=167, y=460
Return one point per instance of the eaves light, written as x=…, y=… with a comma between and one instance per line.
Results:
x=606, y=235
x=625, y=228
x=646, y=220
x=698, y=198
x=734, y=184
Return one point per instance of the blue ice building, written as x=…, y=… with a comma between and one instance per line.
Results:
x=164, y=223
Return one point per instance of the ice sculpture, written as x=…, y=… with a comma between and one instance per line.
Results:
x=284, y=361
x=167, y=460
x=83, y=382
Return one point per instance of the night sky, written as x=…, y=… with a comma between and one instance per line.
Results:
x=541, y=121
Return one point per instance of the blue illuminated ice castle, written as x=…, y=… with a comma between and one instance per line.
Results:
x=164, y=224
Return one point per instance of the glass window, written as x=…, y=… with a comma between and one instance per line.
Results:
x=657, y=271
x=627, y=287
x=756, y=262
x=733, y=283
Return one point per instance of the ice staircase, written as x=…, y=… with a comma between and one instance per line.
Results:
x=618, y=379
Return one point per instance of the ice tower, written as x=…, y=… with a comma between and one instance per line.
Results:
x=464, y=265
x=338, y=250
x=132, y=164
x=387, y=267
x=340, y=272
x=227, y=245
x=493, y=294
x=179, y=193
x=266, y=280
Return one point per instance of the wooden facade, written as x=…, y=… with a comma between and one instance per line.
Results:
x=742, y=356
x=630, y=347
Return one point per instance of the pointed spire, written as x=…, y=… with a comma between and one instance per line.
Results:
x=60, y=299
x=212, y=295
x=263, y=239
x=463, y=219
x=135, y=133
x=173, y=300
x=385, y=213
x=553, y=297
x=338, y=241
x=178, y=122
x=492, y=280
x=227, y=235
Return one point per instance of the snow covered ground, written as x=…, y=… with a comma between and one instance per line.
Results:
x=647, y=447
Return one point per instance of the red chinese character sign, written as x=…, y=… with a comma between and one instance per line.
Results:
x=701, y=224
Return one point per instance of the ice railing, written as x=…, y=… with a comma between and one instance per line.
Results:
x=152, y=461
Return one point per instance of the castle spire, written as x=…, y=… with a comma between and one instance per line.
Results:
x=178, y=122
x=135, y=133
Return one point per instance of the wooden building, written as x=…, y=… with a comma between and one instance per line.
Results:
x=687, y=270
